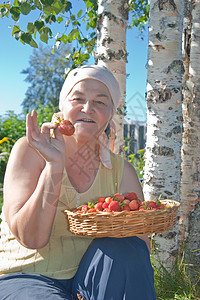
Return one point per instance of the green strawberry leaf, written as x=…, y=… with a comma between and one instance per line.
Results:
x=91, y=205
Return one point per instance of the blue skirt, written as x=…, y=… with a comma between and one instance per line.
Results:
x=111, y=269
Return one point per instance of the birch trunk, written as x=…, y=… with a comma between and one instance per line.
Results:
x=164, y=113
x=190, y=181
x=111, y=50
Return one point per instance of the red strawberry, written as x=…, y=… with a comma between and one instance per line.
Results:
x=105, y=205
x=108, y=200
x=134, y=205
x=114, y=205
x=152, y=204
x=142, y=208
x=91, y=210
x=161, y=206
x=131, y=196
x=66, y=127
x=101, y=199
x=118, y=197
x=98, y=206
x=126, y=207
x=126, y=201
x=84, y=208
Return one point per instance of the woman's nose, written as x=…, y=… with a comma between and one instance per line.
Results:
x=88, y=106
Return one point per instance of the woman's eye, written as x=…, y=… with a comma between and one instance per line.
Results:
x=100, y=102
x=77, y=99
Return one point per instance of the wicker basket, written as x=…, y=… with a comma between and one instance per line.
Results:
x=124, y=223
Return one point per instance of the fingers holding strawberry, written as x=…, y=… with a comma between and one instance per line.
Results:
x=65, y=126
x=57, y=117
x=51, y=149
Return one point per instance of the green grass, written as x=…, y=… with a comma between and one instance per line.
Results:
x=1, y=199
x=182, y=282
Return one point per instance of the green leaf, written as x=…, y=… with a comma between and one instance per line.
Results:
x=26, y=37
x=91, y=205
x=93, y=24
x=90, y=14
x=35, y=31
x=30, y=27
x=16, y=3
x=25, y=8
x=16, y=33
x=68, y=6
x=92, y=34
x=64, y=39
x=57, y=7
x=59, y=19
x=87, y=26
x=33, y=44
x=4, y=12
x=47, y=2
x=88, y=4
x=146, y=9
x=79, y=13
x=136, y=23
x=47, y=10
x=45, y=18
x=48, y=31
x=15, y=11
x=44, y=37
x=74, y=32
x=53, y=18
x=38, y=24
x=15, y=29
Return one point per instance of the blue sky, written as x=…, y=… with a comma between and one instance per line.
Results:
x=15, y=57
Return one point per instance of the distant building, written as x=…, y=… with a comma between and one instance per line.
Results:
x=135, y=132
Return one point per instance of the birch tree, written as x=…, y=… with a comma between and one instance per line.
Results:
x=162, y=172
x=190, y=181
x=111, y=49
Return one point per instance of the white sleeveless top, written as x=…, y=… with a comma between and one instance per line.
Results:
x=60, y=258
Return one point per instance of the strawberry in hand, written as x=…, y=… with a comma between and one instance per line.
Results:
x=66, y=127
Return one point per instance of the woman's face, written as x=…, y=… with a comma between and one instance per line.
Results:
x=89, y=107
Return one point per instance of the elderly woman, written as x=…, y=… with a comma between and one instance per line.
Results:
x=39, y=257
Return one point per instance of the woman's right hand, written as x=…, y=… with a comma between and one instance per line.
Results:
x=51, y=148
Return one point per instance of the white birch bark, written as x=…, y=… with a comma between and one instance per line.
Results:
x=111, y=50
x=190, y=180
x=164, y=113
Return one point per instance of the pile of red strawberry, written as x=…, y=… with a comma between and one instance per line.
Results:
x=119, y=202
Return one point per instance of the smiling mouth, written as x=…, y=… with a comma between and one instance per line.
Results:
x=85, y=121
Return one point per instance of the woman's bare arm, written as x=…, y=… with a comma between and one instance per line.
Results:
x=31, y=187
